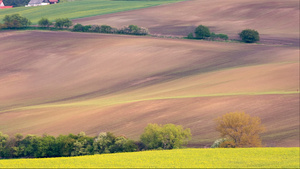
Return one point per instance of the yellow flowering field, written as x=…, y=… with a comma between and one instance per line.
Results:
x=179, y=158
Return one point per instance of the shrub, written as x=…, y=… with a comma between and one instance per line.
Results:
x=214, y=36
x=202, y=32
x=190, y=36
x=15, y=21
x=249, y=36
x=134, y=30
x=2, y=26
x=217, y=143
x=168, y=136
x=106, y=29
x=44, y=22
x=223, y=143
x=95, y=28
x=63, y=22
x=223, y=36
x=80, y=28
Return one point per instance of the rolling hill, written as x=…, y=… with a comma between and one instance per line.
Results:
x=62, y=82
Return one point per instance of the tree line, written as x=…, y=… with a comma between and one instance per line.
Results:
x=236, y=129
x=155, y=136
x=203, y=32
x=15, y=21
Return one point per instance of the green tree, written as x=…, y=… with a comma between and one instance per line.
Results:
x=106, y=29
x=249, y=36
x=103, y=143
x=3, y=140
x=122, y=144
x=240, y=130
x=15, y=21
x=62, y=22
x=202, y=32
x=82, y=145
x=44, y=22
x=168, y=136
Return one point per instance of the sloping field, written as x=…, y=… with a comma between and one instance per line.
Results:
x=277, y=21
x=79, y=9
x=62, y=82
x=180, y=158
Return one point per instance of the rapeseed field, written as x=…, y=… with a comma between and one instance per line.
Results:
x=178, y=158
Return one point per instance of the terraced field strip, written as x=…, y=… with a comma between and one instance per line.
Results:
x=180, y=158
x=80, y=9
x=116, y=100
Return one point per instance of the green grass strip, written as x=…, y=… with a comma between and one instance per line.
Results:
x=79, y=9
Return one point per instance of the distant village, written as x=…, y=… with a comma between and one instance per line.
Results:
x=31, y=3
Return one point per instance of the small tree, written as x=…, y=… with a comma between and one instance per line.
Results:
x=78, y=28
x=240, y=130
x=166, y=137
x=15, y=21
x=67, y=22
x=3, y=140
x=44, y=22
x=202, y=32
x=63, y=22
x=249, y=36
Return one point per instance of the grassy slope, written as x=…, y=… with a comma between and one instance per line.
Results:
x=79, y=9
x=181, y=158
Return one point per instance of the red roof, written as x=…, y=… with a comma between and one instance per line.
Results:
x=2, y=7
x=53, y=0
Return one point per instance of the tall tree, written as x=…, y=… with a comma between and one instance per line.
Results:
x=240, y=129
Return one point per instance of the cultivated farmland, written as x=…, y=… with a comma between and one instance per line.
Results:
x=63, y=82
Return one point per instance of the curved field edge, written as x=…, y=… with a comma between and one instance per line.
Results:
x=80, y=9
x=111, y=102
x=179, y=158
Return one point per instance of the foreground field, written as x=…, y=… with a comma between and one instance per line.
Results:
x=80, y=9
x=181, y=158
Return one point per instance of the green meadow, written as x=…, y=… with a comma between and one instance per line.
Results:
x=79, y=9
x=178, y=158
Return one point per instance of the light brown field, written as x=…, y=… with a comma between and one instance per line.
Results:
x=62, y=82
x=277, y=21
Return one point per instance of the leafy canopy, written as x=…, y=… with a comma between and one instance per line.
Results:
x=249, y=36
x=240, y=129
x=202, y=32
x=166, y=137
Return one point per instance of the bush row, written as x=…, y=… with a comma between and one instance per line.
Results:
x=131, y=29
x=63, y=145
x=203, y=32
x=154, y=137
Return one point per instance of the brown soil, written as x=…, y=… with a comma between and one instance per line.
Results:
x=276, y=21
x=121, y=83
